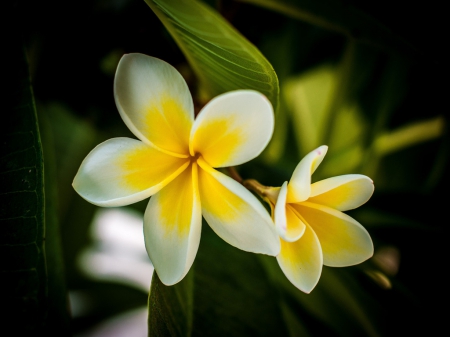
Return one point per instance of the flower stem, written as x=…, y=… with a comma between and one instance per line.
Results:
x=268, y=194
x=255, y=186
x=234, y=174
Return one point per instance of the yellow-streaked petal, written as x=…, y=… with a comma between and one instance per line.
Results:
x=301, y=261
x=172, y=227
x=155, y=103
x=233, y=128
x=235, y=214
x=299, y=187
x=122, y=171
x=289, y=226
x=342, y=192
x=296, y=227
x=344, y=241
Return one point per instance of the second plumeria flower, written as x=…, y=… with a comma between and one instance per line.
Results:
x=173, y=162
x=312, y=228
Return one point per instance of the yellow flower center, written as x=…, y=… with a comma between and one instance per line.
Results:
x=195, y=157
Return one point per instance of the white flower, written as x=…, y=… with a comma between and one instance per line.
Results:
x=173, y=161
x=311, y=225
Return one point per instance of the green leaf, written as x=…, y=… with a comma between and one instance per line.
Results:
x=71, y=138
x=340, y=17
x=405, y=138
x=226, y=293
x=309, y=97
x=58, y=314
x=220, y=56
x=324, y=109
x=346, y=142
x=22, y=227
x=171, y=308
x=409, y=135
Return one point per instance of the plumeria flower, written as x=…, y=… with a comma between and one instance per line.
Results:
x=173, y=161
x=311, y=225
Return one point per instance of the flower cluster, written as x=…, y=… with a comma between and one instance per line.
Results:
x=174, y=160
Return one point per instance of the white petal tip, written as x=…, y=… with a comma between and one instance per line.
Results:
x=306, y=290
x=170, y=281
x=322, y=150
x=304, y=286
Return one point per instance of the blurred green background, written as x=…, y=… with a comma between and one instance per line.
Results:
x=367, y=79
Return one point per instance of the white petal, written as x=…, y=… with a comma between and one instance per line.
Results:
x=301, y=261
x=342, y=192
x=289, y=226
x=233, y=128
x=299, y=187
x=235, y=214
x=155, y=103
x=344, y=241
x=172, y=227
x=122, y=171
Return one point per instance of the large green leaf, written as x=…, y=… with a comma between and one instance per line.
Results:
x=220, y=56
x=33, y=292
x=58, y=314
x=22, y=229
x=171, y=308
x=226, y=293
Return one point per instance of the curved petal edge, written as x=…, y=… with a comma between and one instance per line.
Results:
x=235, y=214
x=342, y=192
x=301, y=261
x=233, y=128
x=122, y=171
x=299, y=188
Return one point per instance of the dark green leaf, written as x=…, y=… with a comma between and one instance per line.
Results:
x=170, y=308
x=58, y=314
x=22, y=227
x=226, y=293
x=220, y=56
x=34, y=293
